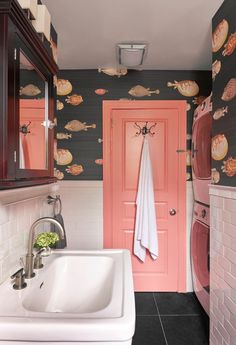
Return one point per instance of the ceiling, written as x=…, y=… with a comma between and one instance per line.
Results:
x=178, y=31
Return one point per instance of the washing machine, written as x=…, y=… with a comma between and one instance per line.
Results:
x=201, y=151
x=200, y=253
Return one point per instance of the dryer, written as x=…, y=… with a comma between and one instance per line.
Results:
x=201, y=151
x=200, y=254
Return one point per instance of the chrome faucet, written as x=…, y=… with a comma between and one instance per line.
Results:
x=29, y=262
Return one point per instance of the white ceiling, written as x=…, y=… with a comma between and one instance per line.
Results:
x=178, y=31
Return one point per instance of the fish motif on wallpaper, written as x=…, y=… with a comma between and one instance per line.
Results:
x=114, y=71
x=99, y=161
x=58, y=174
x=229, y=90
x=215, y=176
x=74, y=99
x=100, y=92
x=64, y=87
x=74, y=169
x=219, y=147
x=30, y=90
x=198, y=100
x=230, y=45
x=140, y=91
x=219, y=35
x=229, y=167
x=220, y=113
x=189, y=136
x=187, y=88
x=60, y=105
x=61, y=136
x=55, y=81
x=76, y=126
x=188, y=176
x=53, y=46
x=188, y=106
x=216, y=67
x=188, y=158
x=63, y=157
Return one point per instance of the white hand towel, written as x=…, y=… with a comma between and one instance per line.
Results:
x=145, y=236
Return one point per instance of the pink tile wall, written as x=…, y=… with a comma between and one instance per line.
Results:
x=223, y=266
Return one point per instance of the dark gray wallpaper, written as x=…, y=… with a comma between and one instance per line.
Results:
x=224, y=95
x=79, y=153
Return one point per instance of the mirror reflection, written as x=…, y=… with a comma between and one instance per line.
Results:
x=33, y=112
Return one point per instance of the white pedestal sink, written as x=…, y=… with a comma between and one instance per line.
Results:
x=78, y=297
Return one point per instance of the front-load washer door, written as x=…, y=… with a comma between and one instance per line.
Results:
x=201, y=147
x=200, y=255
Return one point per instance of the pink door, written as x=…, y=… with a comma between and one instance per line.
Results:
x=122, y=153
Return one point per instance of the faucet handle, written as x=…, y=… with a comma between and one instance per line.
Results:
x=38, y=259
x=19, y=278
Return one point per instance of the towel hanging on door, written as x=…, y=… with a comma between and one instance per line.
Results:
x=145, y=236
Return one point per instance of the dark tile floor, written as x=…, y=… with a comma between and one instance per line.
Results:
x=165, y=318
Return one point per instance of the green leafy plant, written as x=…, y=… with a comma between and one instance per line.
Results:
x=46, y=239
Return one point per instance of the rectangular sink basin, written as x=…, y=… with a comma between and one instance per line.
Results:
x=62, y=289
x=84, y=297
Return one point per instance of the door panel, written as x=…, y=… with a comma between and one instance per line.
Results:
x=124, y=160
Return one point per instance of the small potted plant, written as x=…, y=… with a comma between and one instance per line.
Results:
x=46, y=240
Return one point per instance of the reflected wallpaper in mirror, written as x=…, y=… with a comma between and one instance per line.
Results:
x=33, y=110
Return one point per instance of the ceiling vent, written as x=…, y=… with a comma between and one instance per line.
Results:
x=131, y=54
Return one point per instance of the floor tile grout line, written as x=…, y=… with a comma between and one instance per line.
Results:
x=176, y=315
x=160, y=319
x=148, y=315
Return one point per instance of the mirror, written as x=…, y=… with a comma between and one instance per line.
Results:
x=33, y=116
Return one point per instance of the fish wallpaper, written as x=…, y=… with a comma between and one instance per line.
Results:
x=78, y=135
x=224, y=95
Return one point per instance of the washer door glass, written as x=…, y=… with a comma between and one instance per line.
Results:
x=201, y=147
x=200, y=253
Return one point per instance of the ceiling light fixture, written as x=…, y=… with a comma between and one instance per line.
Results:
x=131, y=54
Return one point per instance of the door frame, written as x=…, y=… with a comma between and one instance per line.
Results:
x=108, y=107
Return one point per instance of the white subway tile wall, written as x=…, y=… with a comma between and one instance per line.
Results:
x=82, y=210
x=223, y=266
x=15, y=221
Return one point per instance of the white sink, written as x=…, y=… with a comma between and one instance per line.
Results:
x=79, y=296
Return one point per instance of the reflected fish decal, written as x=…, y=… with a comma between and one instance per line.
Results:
x=114, y=71
x=216, y=67
x=100, y=92
x=215, y=176
x=219, y=35
x=74, y=169
x=63, y=157
x=219, y=147
x=64, y=136
x=140, y=91
x=74, y=99
x=229, y=91
x=30, y=90
x=220, y=112
x=58, y=174
x=60, y=105
x=187, y=88
x=64, y=87
x=76, y=126
x=230, y=45
x=229, y=167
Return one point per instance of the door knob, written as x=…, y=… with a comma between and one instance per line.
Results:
x=172, y=212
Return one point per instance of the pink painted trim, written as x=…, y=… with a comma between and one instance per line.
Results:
x=108, y=106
